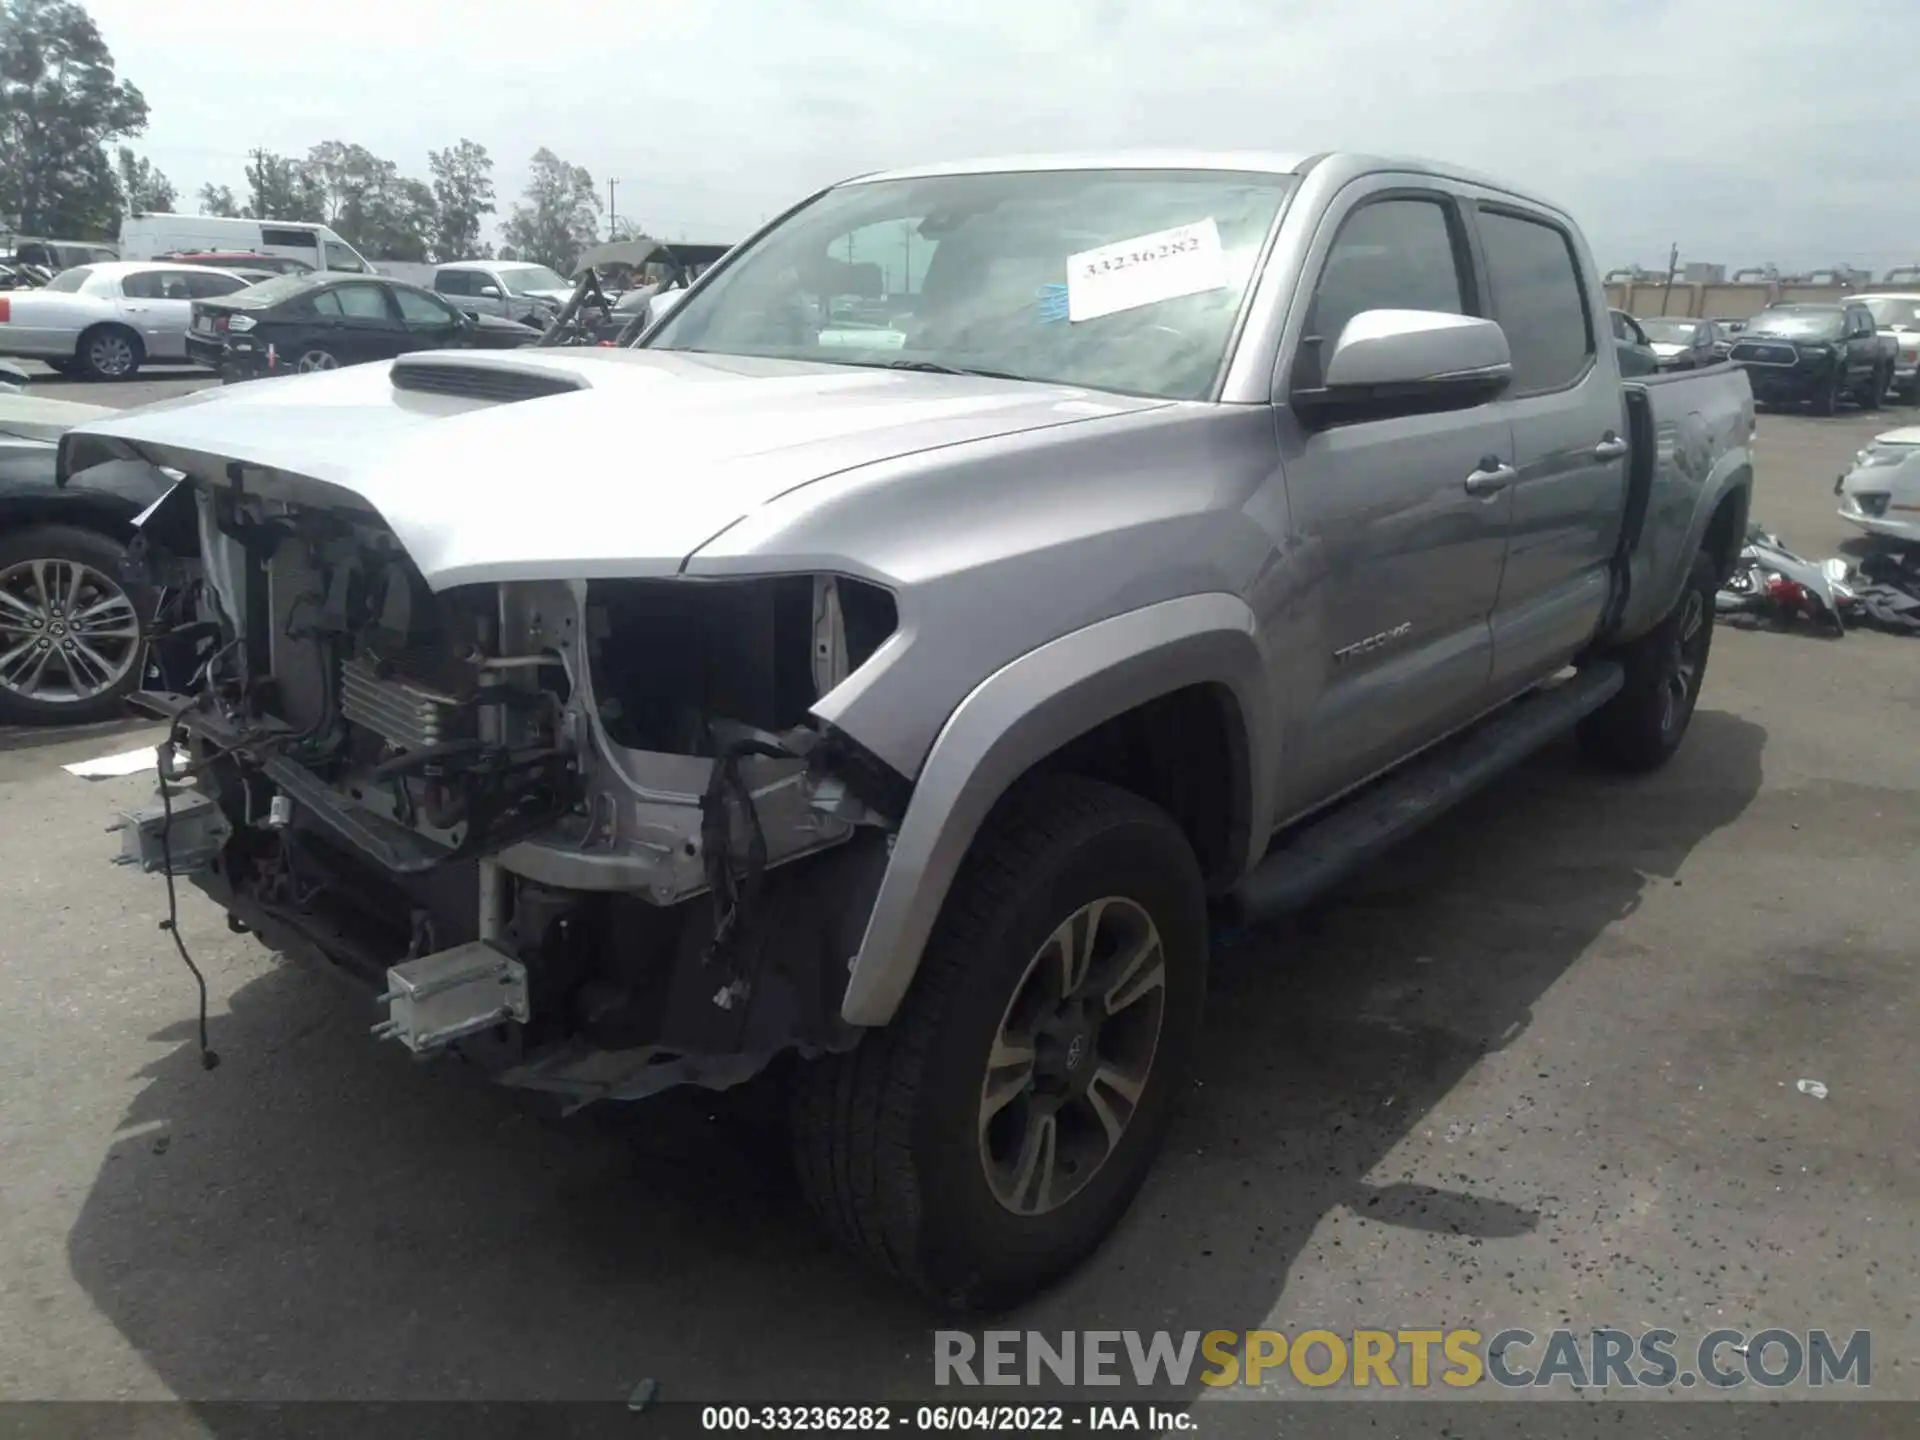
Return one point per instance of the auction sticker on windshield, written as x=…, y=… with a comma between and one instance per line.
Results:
x=1145, y=270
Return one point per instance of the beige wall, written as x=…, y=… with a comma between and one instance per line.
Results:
x=1728, y=301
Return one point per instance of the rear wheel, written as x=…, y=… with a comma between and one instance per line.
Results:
x=71, y=634
x=108, y=352
x=986, y=1140
x=316, y=358
x=1641, y=727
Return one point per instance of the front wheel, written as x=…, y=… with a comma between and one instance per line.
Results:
x=71, y=635
x=986, y=1140
x=1641, y=726
x=1876, y=388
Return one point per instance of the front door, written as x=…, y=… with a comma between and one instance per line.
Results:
x=1397, y=526
x=1569, y=435
x=430, y=323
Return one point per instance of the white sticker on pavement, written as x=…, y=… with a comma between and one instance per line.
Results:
x=103, y=767
x=1144, y=270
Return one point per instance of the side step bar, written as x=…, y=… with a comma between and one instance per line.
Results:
x=1307, y=861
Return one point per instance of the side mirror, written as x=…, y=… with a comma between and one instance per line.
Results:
x=490, y=292
x=1394, y=362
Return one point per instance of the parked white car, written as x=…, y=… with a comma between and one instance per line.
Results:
x=104, y=321
x=1881, y=493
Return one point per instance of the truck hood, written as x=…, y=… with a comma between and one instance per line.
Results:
x=33, y=417
x=629, y=475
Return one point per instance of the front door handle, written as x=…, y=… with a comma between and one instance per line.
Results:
x=1491, y=478
x=1611, y=448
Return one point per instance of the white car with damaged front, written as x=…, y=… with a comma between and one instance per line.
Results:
x=1881, y=492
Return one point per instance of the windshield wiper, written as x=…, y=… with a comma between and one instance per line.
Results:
x=934, y=367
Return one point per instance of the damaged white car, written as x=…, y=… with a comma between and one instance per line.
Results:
x=1881, y=492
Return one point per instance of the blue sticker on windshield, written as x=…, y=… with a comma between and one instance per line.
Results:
x=1052, y=302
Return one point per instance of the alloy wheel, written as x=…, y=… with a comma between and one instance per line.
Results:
x=67, y=632
x=1072, y=1056
x=316, y=360
x=110, y=354
x=1685, y=658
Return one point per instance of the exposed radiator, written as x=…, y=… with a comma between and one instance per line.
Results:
x=401, y=712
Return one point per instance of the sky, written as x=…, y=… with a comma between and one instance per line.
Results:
x=1745, y=131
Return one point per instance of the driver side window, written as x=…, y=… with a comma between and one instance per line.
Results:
x=1400, y=253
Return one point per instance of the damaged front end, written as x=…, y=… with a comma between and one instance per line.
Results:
x=588, y=833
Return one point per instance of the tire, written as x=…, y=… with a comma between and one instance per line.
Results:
x=88, y=674
x=1876, y=391
x=889, y=1140
x=108, y=352
x=1640, y=727
x=1827, y=400
x=314, y=359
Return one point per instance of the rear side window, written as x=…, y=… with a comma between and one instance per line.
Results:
x=325, y=302
x=303, y=239
x=362, y=302
x=1539, y=300
x=454, y=282
x=1398, y=253
x=207, y=286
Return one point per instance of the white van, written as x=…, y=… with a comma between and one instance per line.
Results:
x=147, y=237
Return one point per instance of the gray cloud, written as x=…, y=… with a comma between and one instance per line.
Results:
x=1746, y=130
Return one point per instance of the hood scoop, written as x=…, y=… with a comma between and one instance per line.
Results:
x=501, y=381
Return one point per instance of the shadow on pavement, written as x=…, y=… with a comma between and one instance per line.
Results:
x=324, y=1221
x=35, y=737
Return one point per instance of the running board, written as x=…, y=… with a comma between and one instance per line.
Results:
x=1311, y=859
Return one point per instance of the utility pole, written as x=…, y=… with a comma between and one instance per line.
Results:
x=258, y=175
x=1673, y=268
x=612, y=214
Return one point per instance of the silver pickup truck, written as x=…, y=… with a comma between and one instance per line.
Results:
x=879, y=675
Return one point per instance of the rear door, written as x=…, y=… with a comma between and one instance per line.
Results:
x=159, y=304
x=1399, y=559
x=362, y=324
x=1568, y=436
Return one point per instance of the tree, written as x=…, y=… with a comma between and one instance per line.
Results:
x=60, y=103
x=143, y=187
x=561, y=216
x=624, y=228
x=374, y=207
x=217, y=200
x=462, y=193
x=281, y=188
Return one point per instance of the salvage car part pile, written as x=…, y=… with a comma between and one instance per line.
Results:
x=1772, y=582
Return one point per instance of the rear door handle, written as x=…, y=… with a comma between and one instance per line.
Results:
x=1491, y=478
x=1611, y=448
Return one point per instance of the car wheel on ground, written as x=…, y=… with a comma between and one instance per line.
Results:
x=108, y=352
x=316, y=357
x=1876, y=390
x=987, y=1139
x=1641, y=726
x=71, y=632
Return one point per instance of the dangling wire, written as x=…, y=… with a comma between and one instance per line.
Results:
x=208, y=1058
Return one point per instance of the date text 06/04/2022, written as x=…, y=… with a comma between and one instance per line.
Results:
x=940, y=1419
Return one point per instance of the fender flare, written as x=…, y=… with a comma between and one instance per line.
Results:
x=1026, y=711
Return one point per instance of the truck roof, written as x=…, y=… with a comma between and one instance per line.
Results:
x=1272, y=162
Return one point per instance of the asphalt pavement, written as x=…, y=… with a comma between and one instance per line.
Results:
x=1539, y=1068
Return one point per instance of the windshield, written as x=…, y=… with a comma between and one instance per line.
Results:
x=524, y=279
x=68, y=282
x=1670, y=332
x=1127, y=280
x=1895, y=314
x=1807, y=324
